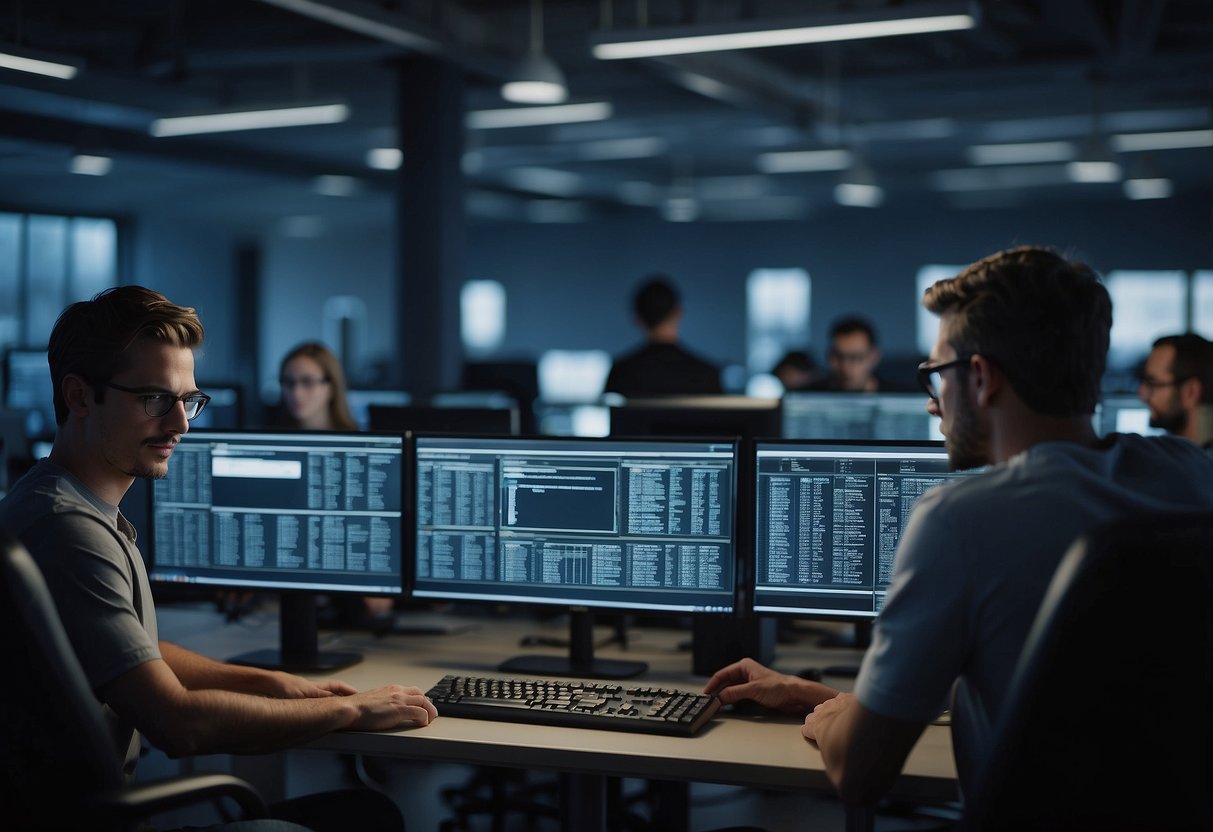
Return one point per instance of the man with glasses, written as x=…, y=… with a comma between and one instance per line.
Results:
x=1014, y=377
x=853, y=357
x=1177, y=386
x=122, y=365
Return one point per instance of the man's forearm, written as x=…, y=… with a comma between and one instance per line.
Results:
x=197, y=672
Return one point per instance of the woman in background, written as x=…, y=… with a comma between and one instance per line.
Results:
x=313, y=398
x=313, y=389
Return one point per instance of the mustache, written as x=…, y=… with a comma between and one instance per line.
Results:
x=162, y=440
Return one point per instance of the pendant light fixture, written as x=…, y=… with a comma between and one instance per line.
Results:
x=536, y=79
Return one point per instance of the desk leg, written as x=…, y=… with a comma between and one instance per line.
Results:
x=583, y=803
x=861, y=819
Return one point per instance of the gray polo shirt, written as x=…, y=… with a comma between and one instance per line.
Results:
x=87, y=553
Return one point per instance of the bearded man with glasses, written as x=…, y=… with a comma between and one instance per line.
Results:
x=1177, y=386
x=1014, y=377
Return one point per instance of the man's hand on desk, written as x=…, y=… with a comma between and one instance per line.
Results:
x=287, y=686
x=390, y=708
x=824, y=714
x=747, y=679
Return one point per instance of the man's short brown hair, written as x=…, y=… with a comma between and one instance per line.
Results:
x=92, y=337
x=1043, y=319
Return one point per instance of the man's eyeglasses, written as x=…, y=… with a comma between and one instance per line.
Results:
x=929, y=374
x=1153, y=384
x=159, y=404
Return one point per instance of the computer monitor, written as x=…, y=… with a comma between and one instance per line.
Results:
x=585, y=524
x=360, y=402
x=1124, y=414
x=828, y=518
x=224, y=410
x=836, y=415
x=697, y=416
x=292, y=511
x=27, y=387
x=485, y=420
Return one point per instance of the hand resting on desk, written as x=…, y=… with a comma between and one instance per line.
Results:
x=390, y=708
x=749, y=680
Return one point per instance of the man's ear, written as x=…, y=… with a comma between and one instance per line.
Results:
x=1191, y=391
x=77, y=393
x=985, y=379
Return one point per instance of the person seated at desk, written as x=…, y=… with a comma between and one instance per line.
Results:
x=662, y=367
x=1177, y=386
x=313, y=389
x=796, y=370
x=123, y=371
x=1014, y=376
x=853, y=357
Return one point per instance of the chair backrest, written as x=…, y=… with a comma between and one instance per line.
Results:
x=55, y=747
x=1108, y=720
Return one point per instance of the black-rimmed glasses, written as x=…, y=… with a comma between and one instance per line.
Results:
x=929, y=374
x=158, y=404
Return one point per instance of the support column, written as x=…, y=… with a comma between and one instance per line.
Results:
x=430, y=225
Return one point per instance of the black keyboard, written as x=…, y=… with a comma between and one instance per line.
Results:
x=575, y=704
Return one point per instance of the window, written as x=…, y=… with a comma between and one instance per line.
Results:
x=1202, y=303
x=777, y=315
x=928, y=322
x=1145, y=305
x=47, y=262
x=573, y=376
x=482, y=317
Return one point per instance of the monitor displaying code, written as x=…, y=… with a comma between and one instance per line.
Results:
x=830, y=516
x=288, y=510
x=636, y=524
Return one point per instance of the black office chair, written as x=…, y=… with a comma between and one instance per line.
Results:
x=1107, y=724
x=58, y=765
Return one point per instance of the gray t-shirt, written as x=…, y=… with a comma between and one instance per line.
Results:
x=974, y=564
x=86, y=551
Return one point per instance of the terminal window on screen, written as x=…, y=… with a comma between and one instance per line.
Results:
x=634, y=528
x=829, y=522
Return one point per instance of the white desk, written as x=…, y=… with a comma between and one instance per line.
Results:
x=764, y=751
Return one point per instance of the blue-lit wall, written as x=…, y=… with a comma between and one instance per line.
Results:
x=568, y=286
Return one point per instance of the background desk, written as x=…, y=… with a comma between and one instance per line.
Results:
x=755, y=751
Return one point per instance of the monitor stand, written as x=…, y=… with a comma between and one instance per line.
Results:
x=860, y=638
x=299, y=651
x=580, y=662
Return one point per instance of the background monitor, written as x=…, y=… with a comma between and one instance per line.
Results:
x=484, y=420
x=291, y=511
x=834, y=415
x=620, y=525
x=1124, y=414
x=829, y=516
x=27, y=387
x=224, y=410
x=740, y=416
x=360, y=402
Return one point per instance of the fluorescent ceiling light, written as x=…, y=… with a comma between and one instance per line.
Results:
x=37, y=66
x=1176, y=140
x=1148, y=188
x=250, y=120
x=999, y=178
x=653, y=43
x=802, y=161
x=87, y=165
x=384, y=158
x=535, y=116
x=858, y=195
x=1031, y=153
x=549, y=181
x=1093, y=170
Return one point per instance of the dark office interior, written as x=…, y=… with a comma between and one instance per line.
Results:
x=851, y=169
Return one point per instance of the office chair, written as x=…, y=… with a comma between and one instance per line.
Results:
x=58, y=765
x=1107, y=721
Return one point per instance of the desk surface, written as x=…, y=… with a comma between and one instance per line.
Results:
x=751, y=750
